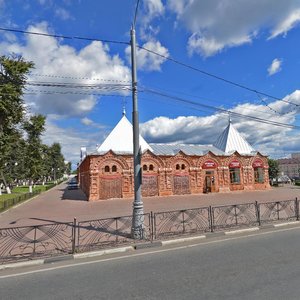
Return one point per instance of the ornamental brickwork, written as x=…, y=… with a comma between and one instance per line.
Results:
x=110, y=175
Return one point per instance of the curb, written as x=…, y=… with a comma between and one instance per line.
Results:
x=22, y=264
x=102, y=252
x=286, y=224
x=182, y=240
x=139, y=246
x=241, y=231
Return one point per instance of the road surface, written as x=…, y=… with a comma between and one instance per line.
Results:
x=264, y=265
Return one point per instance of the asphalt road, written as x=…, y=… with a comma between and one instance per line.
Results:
x=265, y=265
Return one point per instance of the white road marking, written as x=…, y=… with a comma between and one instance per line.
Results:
x=145, y=253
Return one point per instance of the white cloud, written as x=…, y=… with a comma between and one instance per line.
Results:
x=275, y=66
x=88, y=122
x=286, y=24
x=205, y=130
x=71, y=139
x=151, y=9
x=53, y=58
x=148, y=61
x=220, y=24
x=63, y=13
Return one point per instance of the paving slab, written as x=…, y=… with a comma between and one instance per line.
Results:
x=62, y=205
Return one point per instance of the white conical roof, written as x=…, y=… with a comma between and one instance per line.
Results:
x=121, y=139
x=231, y=140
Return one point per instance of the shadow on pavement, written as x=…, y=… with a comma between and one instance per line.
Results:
x=77, y=195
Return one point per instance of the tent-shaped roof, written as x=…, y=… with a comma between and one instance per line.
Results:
x=120, y=140
x=231, y=140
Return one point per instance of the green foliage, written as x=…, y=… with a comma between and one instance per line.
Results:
x=273, y=168
x=22, y=158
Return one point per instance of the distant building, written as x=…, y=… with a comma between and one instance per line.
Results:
x=290, y=166
x=172, y=169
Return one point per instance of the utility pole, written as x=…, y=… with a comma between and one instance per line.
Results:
x=137, y=230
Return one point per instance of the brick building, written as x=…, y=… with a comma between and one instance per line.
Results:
x=290, y=166
x=172, y=169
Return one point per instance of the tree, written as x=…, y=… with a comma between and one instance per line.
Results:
x=273, y=168
x=34, y=149
x=13, y=71
x=57, y=161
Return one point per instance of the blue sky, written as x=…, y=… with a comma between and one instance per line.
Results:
x=252, y=43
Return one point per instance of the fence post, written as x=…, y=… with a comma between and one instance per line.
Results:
x=151, y=227
x=210, y=217
x=183, y=224
x=74, y=236
x=257, y=213
x=34, y=240
x=297, y=209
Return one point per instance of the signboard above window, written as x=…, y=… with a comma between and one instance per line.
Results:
x=209, y=164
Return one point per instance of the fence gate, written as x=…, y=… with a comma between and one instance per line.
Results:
x=110, y=188
x=181, y=185
x=149, y=186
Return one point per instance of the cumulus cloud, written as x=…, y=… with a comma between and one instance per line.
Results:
x=266, y=138
x=59, y=63
x=148, y=61
x=88, y=122
x=275, y=67
x=63, y=14
x=217, y=25
x=71, y=140
x=151, y=9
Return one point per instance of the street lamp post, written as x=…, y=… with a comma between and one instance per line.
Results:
x=137, y=230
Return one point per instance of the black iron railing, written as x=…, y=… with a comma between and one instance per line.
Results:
x=31, y=242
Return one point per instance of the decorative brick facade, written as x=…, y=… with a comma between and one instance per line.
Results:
x=111, y=176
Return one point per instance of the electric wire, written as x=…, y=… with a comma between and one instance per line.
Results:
x=216, y=76
x=213, y=108
x=64, y=36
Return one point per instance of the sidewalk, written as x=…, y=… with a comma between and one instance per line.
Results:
x=62, y=205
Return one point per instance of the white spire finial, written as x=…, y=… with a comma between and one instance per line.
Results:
x=124, y=111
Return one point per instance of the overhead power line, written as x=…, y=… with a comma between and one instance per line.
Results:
x=63, y=36
x=79, y=78
x=213, y=108
x=216, y=76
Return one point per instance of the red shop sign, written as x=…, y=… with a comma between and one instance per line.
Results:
x=234, y=164
x=209, y=164
x=258, y=164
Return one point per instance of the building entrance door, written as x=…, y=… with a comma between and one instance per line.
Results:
x=181, y=185
x=110, y=188
x=149, y=186
x=209, y=182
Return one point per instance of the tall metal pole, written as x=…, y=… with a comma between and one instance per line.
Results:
x=137, y=230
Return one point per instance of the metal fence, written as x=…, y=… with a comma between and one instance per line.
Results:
x=31, y=242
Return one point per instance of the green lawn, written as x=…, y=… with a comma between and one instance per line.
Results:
x=20, y=194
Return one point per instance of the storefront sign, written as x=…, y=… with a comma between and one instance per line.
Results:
x=234, y=164
x=258, y=164
x=209, y=164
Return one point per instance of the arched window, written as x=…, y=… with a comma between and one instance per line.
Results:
x=106, y=169
x=177, y=167
x=151, y=168
x=235, y=177
x=114, y=168
x=145, y=168
x=259, y=175
x=182, y=166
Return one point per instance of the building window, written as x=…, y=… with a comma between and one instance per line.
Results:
x=151, y=168
x=114, y=169
x=258, y=175
x=182, y=167
x=235, y=177
x=106, y=169
x=177, y=167
x=145, y=168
